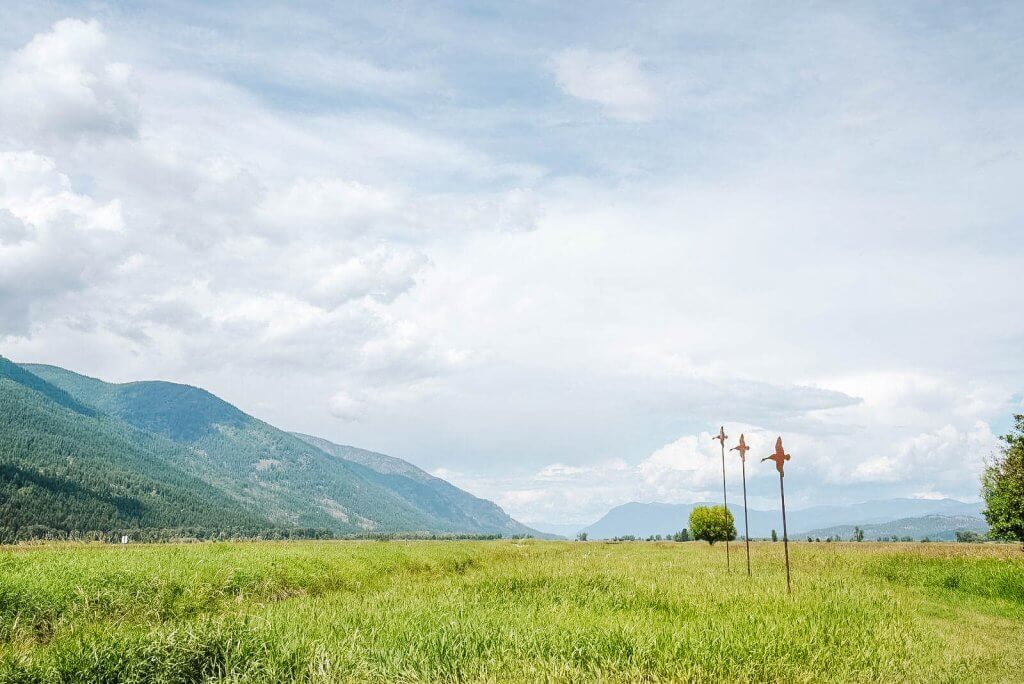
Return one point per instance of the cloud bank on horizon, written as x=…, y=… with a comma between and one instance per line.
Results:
x=543, y=252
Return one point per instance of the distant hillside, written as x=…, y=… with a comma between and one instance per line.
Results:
x=431, y=495
x=563, y=530
x=67, y=468
x=645, y=519
x=934, y=527
x=277, y=475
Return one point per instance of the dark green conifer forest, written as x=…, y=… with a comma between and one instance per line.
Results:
x=85, y=459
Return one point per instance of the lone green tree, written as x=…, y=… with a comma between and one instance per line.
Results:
x=775, y=537
x=712, y=524
x=682, y=535
x=1003, y=486
x=858, y=534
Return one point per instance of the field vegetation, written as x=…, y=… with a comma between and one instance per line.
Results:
x=508, y=611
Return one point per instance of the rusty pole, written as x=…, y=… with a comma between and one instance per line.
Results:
x=785, y=534
x=743, y=449
x=780, y=457
x=721, y=437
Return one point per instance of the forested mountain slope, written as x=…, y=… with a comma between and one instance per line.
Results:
x=286, y=479
x=427, y=493
x=66, y=468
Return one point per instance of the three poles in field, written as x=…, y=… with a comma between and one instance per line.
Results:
x=780, y=457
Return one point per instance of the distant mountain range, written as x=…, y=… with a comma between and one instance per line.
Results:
x=78, y=454
x=934, y=527
x=645, y=519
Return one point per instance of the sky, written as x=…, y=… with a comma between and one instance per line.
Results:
x=543, y=250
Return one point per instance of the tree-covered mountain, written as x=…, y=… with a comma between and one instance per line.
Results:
x=287, y=480
x=431, y=495
x=66, y=468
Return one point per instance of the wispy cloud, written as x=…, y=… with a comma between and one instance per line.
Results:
x=614, y=80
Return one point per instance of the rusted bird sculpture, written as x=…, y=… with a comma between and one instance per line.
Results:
x=721, y=436
x=780, y=457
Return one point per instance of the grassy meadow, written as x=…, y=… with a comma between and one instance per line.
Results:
x=509, y=611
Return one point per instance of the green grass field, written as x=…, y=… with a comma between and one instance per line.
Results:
x=509, y=611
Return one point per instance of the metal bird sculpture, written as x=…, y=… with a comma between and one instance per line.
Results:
x=780, y=457
x=721, y=437
x=743, y=449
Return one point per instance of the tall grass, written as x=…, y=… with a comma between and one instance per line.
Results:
x=508, y=611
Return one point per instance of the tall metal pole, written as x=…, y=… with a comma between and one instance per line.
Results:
x=725, y=498
x=780, y=457
x=743, y=449
x=785, y=533
x=746, y=518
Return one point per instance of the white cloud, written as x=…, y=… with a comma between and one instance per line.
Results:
x=62, y=84
x=347, y=407
x=614, y=80
x=355, y=405
x=949, y=457
x=32, y=189
x=329, y=205
x=338, y=72
x=382, y=273
x=54, y=242
x=12, y=229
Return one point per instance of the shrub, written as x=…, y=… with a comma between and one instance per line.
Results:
x=712, y=524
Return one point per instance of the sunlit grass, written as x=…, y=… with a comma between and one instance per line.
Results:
x=509, y=611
